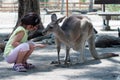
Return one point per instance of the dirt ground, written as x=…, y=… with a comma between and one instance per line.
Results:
x=104, y=69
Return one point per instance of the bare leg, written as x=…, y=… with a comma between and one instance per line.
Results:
x=20, y=57
x=28, y=54
x=18, y=66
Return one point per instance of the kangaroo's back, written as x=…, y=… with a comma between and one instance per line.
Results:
x=71, y=26
x=75, y=26
x=72, y=22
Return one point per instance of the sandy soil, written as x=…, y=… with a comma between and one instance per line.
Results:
x=104, y=69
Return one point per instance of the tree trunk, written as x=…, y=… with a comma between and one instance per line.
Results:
x=26, y=6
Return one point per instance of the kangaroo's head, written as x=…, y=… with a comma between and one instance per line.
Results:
x=53, y=26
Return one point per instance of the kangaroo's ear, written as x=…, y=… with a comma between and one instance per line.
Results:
x=53, y=17
x=60, y=19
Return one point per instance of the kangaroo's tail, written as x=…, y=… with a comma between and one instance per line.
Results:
x=107, y=55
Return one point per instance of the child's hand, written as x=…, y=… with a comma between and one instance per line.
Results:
x=40, y=45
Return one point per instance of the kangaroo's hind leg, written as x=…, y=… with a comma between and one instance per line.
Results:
x=67, y=57
x=81, y=50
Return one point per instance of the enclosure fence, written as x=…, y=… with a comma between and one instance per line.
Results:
x=13, y=7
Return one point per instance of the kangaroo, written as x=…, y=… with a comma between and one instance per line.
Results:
x=107, y=40
x=73, y=33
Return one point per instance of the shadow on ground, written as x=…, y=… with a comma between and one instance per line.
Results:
x=91, y=70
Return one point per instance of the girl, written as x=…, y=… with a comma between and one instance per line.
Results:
x=17, y=49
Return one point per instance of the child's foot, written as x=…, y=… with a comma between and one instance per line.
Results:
x=19, y=68
x=29, y=66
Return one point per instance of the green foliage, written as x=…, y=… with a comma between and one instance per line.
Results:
x=43, y=0
x=113, y=7
x=83, y=0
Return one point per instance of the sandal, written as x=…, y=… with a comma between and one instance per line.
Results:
x=29, y=66
x=19, y=68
